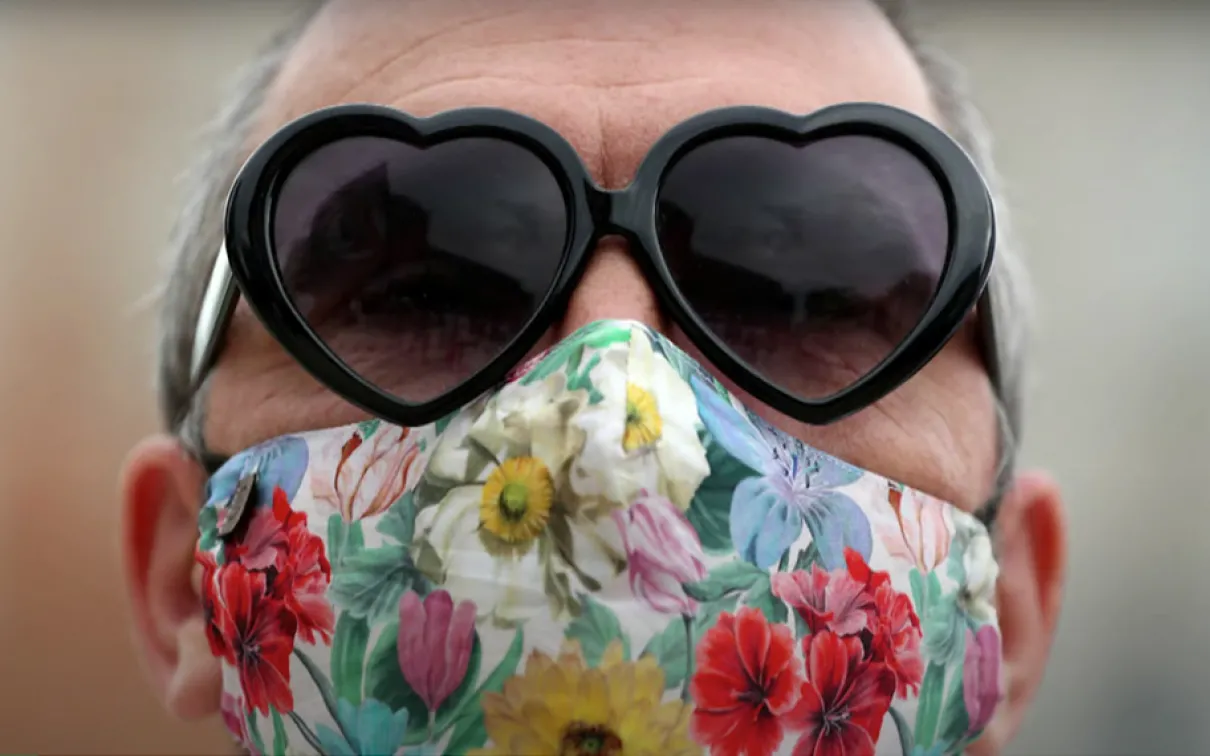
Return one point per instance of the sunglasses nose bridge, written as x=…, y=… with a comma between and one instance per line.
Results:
x=617, y=212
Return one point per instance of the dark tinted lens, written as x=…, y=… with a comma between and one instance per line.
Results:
x=810, y=262
x=417, y=266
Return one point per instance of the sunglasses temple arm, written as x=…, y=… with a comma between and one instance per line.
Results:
x=218, y=304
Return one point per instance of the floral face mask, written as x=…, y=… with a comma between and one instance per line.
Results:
x=607, y=555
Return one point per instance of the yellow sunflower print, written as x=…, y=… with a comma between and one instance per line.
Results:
x=561, y=707
x=516, y=500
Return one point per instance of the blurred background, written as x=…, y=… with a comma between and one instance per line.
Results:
x=1101, y=112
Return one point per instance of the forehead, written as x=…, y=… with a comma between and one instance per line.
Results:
x=611, y=77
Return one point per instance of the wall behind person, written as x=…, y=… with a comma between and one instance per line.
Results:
x=1101, y=118
x=99, y=109
x=1100, y=123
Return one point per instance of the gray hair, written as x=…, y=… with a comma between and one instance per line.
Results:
x=198, y=233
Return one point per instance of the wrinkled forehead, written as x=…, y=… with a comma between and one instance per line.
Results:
x=610, y=76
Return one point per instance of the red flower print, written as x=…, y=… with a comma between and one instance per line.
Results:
x=860, y=603
x=826, y=601
x=861, y=572
x=209, y=568
x=278, y=542
x=254, y=632
x=844, y=700
x=893, y=636
x=895, y=639
x=747, y=678
x=303, y=583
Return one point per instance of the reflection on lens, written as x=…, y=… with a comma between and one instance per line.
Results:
x=811, y=262
x=418, y=266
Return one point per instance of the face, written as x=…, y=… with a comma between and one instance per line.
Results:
x=611, y=78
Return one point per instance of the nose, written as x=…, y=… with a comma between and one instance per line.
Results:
x=612, y=288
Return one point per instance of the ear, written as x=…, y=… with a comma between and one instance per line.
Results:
x=161, y=491
x=1031, y=541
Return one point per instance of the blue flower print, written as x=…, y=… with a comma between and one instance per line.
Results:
x=371, y=728
x=794, y=485
x=280, y=463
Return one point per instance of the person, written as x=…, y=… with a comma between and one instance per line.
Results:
x=595, y=377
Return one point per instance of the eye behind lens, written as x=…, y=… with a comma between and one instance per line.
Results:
x=410, y=261
x=832, y=249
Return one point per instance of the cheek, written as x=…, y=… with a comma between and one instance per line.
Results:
x=257, y=392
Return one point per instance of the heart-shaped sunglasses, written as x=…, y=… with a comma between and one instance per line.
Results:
x=410, y=263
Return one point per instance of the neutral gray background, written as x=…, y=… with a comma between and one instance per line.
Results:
x=1102, y=112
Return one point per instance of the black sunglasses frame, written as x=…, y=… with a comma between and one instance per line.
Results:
x=593, y=213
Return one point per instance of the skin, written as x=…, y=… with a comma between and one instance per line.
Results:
x=611, y=77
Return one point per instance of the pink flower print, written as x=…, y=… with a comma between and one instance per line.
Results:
x=923, y=535
x=981, y=676
x=435, y=641
x=663, y=552
x=826, y=601
x=266, y=542
x=235, y=716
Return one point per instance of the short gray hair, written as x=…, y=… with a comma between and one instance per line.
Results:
x=199, y=230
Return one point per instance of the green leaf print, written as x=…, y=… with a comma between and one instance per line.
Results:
x=368, y=428
x=807, y=558
x=907, y=742
x=761, y=597
x=571, y=351
x=322, y=684
x=943, y=622
x=371, y=582
x=344, y=538
x=440, y=426
x=384, y=682
x=557, y=358
x=954, y=720
x=928, y=710
x=254, y=732
x=732, y=577
x=583, y=381
x=348, y=657
x=919, y=593
x=280, y=742
x=207, y=522
x=669, y=647
x=710, y=511
x=469, y=730
x=604, y=333
x=574, y=358
x=399, y=521
x=595, y=628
